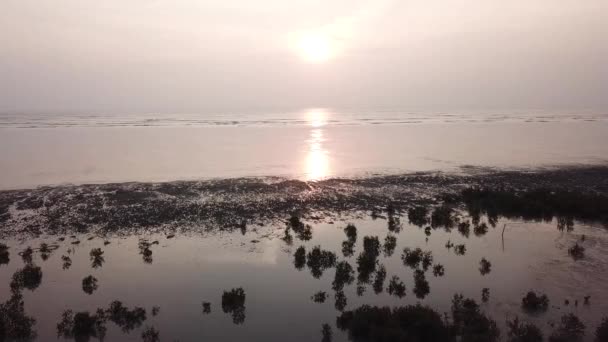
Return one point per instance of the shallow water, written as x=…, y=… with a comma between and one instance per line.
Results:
x=189, y=269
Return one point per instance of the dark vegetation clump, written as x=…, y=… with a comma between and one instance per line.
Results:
x=460, y=249
x=484, y=266
x=45, y=251
x=4, y=254
x=470, y=323
x=303, y=231
x=326, y=333
x=394, y=223
x=29, y=277
x=407, y=323
x=67, y=262
x=534, y=303
x=340, y=300
x=361, y=289
x=438, y=270
x=319, y=260
x=206, y=308
x=83, y=325
x=416, y=257
x=299, y=258
x=348, y=248
x=27, y=255
x=485, y=294
x=443, y=216
x=233, y=302
x=126, y=319
x=396, y=287
x=15, y=324
x=523, y=332
x=421, y=285
x=480, y=229
x=418, y=215
x=351, y=232
x=464, y=228
x=89, y=284
x=378, y=284
x=145, y=250
x=150, y=334
x=577, y=251
x=155, y=310
x=367, y=260
x=390, y=243
x=344, y=275
x=319, y=297
x=537, y=204
x=97, y=258
x=601, y=333
x=570, y=329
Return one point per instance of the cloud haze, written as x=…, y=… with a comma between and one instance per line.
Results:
x=187, y=55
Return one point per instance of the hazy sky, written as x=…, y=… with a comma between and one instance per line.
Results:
x=188, y=55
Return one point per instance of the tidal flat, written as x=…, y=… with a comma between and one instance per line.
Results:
x=478, y=255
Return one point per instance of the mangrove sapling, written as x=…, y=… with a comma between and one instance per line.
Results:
x=299, y=258
x=89, y=284
x=340, y=300
x=319, y=297
x=396, y=287
x=150, y=334
x=390, y=243
x=326, y=333
x=438, y=270
x=233, y=302
x=378, y=284
x=534, y=303
x=523, y=332
x=570, y=329
x=484, y=266
x=577, y=251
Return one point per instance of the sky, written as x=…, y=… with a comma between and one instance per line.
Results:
x=190, y=56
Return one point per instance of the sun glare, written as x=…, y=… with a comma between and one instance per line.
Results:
x=315, y=48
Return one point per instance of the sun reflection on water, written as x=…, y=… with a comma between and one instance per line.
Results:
x=317, y=159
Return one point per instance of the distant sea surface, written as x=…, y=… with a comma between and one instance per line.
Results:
x=293, y=118
x=312, y=144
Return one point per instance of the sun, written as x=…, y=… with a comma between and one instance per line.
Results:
x=315, y=48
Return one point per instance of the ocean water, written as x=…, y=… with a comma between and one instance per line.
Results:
x=308, y=144
x=329, y=117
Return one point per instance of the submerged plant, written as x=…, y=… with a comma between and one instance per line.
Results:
x=484, y=266
x=97, y=258
x=418, y=216
x=535, y=303
x=299, y=258
x=601, y=334
x=150, y=334
x=340, y=300
x=206, y=308
x=460, y=249
x=523, y=332
x=89, y=284
x=379, y=279
x=485, y=294
x=390, y=243
x=396, y=287
x=29, y=277
x=421, y=285
x=406, y=323
x=233, y=302
x=67, y=262
x=319, y=297
x=438, y=270
x=577, y=251
x=15, y=324
x=344, y=275
x=481, y=229
x=326, y=333
x=570, y=329
x=319, y=260
x=366, y=261
x=464, y=228
x=4, y=254
x=470, y=324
